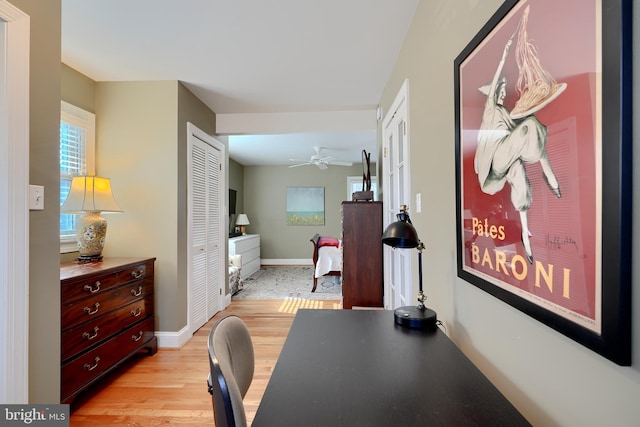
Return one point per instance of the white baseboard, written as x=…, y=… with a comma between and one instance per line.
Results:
x=264, y=261
x=173, y=339
x=180, y=338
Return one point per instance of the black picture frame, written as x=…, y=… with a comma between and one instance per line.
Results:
x=612, y=340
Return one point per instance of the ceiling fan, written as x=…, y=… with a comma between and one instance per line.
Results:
x=320, y=160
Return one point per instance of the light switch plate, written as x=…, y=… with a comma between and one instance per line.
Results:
x=418, y=202
x=36, y=197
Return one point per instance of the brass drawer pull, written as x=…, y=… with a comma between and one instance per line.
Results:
x=89, y=336
x=136, y=313
x=91, y=312
x=91, y=288
x=94, y=366
x=136, y=293
x=137, y=274
x=137, y=337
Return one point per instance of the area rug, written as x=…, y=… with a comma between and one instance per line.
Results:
x=289, y=282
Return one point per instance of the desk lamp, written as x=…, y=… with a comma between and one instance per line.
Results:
x=90, y=195
x=402, y=234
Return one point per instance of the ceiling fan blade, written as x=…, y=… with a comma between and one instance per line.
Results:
x=339, y=163
x=300, y=164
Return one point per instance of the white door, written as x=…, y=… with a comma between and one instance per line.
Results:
x=206, y=275
x=14, y=219
x=216, y=225
x=395, y=142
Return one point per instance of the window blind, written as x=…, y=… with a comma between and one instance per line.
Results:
x=73, y=162
x=77, y=129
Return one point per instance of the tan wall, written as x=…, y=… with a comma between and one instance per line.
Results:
x=77, y=89
x=136, y=148
x=550, y=378
x=236, y=181
x=265, y=205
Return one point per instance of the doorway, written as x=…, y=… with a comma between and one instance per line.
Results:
x=206, y=228
x=397, y=185
x=14, y=223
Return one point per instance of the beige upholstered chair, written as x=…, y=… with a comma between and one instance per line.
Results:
x=232, y=363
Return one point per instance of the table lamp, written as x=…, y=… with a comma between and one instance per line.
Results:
x=402, y=234
x=242, y=221
x=90, y=195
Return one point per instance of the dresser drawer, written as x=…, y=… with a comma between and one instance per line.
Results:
x=250, y=268
x=80, y=372
x=95, y=331
x=87, y=286
x=250, y=255
x=84, y=310
x=245, y=244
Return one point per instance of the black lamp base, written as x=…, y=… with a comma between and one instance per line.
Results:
x=416, y=318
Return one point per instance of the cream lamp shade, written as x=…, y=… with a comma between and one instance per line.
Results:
x=90, y=195
x=242, y=221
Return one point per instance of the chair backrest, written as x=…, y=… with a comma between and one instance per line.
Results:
x=231, y=360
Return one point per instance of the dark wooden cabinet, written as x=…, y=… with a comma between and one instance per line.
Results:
x=107, y=317
x=362, y=279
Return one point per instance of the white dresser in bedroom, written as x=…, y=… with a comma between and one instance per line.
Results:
x=248, y=246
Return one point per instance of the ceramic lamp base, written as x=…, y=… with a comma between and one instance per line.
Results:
x=95, y=258
x=92, y=230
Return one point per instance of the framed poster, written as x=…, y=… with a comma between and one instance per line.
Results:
x=543, y=166
x=305, y=205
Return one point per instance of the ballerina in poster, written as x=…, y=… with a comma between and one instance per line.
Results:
x=509, y=140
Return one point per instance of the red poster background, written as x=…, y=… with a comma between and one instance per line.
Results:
x=564, y=231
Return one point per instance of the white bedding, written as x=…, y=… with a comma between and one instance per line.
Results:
x=329, y=259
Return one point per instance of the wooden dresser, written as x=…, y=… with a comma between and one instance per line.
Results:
x=362, y=279
x=107, y=316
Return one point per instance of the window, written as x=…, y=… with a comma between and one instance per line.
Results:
x=354, y=183
x=77, y=157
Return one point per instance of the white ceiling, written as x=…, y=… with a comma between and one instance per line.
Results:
x=251, y=57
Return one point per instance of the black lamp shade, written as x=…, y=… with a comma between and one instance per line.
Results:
x=401, y=234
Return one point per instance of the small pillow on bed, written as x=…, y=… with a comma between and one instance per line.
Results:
x=328, y=241
x=235, y=260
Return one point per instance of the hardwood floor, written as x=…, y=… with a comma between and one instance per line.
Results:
x=170, y=387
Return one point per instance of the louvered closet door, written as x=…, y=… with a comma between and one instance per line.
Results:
x=198, y=216
x=214, y=236
x=206, y=229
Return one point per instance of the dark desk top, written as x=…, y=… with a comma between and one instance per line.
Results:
x=358, y=368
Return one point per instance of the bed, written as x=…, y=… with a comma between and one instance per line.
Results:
x=235, y=280
x=327, y=257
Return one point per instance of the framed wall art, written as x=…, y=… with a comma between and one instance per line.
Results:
x=543, y=166
x=305, y=205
